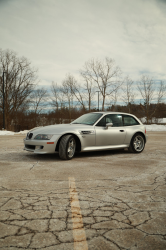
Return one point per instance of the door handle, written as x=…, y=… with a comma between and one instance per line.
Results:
x=121, y=130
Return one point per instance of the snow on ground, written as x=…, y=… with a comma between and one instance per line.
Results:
x=153, y=127
x=4, y=132
x=154, y=120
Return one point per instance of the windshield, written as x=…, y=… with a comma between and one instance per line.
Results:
x=87, y=119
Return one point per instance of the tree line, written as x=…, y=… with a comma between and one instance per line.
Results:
x=73, y=97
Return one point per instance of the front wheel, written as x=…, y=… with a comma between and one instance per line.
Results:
x=67, y=147
x=137, y=144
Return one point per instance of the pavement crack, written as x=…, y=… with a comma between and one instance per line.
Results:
x=34, y=165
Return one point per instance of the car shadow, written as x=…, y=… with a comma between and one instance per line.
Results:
x=43, y=157
x=80, y=155
x=25, y=156
x=101, y=153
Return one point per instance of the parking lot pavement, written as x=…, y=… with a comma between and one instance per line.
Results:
x=99, y=200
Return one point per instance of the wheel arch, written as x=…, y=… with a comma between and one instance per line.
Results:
x=78, y=142
x=139, y=132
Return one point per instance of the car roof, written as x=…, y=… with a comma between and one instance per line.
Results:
x=112, y=112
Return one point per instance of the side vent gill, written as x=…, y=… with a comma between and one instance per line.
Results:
x=86, y=132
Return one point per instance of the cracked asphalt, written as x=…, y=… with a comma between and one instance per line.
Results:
x=121, y=196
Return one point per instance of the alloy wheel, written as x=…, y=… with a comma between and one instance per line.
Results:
x=71, y=147
x=138, y=143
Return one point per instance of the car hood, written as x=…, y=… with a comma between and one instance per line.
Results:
x=61, y=129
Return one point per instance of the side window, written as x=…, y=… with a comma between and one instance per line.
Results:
x=116, y=119
x=101, y=123
x=129, y=121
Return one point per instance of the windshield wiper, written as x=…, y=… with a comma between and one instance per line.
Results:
x=76, y=123
x=82, y=123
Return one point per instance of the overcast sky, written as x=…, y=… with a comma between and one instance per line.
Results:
x=59, y=36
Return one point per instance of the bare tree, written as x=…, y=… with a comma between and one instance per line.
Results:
x=88, y=88
x=76, y=90
x=58, y=99
x=161, y=91
x=68, y=95
x=113, y=99
x=39, y=97
x=19, y=82
x=127, y=92
x=104, y=74
x=55, y=97
x=150, y=94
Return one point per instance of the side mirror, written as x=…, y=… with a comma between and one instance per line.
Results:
x=110, y=124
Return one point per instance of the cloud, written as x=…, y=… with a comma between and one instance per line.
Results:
x=59, y=36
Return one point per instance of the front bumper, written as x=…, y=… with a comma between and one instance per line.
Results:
x=41, y=146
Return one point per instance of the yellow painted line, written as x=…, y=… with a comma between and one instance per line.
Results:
x=79, y=235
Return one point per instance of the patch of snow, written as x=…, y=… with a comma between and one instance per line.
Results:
x=154, y=120
x=5, y=132
x=155, y=127
x=22, y=132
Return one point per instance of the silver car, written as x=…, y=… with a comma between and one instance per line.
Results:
x=90, y=132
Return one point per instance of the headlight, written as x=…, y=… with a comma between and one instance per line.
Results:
x=43, y=137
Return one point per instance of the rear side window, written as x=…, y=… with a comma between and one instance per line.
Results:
x=129, y=121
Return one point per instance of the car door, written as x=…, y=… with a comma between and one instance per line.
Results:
x=114, y=135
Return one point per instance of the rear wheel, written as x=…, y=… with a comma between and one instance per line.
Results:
x=67, y=147
x=137, y=144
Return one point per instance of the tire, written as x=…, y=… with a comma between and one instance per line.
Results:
x=67, y=147
x=137, y=144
